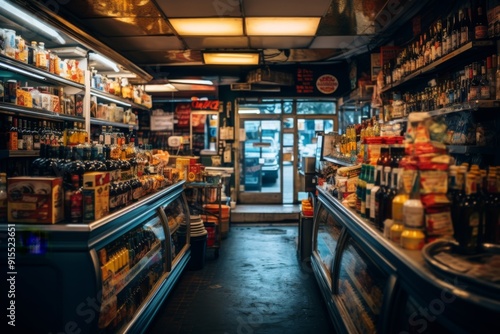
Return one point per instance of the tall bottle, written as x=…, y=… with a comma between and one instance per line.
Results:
x=41, y=57
x=373, y=192
x=491, y=217
x=370, y=183
x=379, y=199
x=12, y=135
x=468, y=226
x=481, y=22
x=359, y=189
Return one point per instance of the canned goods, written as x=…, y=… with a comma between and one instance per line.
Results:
x=10, y=91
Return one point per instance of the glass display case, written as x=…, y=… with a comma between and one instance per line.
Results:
x=107, y=276
x=371, y=285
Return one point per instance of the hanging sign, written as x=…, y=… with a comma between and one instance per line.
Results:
x=327, y=84
x=205, y=105
x=162, y=123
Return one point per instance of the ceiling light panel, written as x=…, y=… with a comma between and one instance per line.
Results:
x=222, y=58
x=199, y=43
x=286, y=7
x=199, y=8
x=218, y=26
x=160, y=88
x=281, y=26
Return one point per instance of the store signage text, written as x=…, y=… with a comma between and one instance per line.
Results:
x=205, y=105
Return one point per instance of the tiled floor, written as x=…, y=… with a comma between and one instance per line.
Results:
x=256, y=286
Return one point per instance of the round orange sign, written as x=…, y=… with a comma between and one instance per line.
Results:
x=327, y=84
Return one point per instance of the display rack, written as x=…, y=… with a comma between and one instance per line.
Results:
x=200, y=194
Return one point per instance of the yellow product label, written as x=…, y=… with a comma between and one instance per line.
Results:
x=397, y=206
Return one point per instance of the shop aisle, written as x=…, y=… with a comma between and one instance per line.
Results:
x=256, y=286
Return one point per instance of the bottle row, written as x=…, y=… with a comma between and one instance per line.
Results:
x=443, y=36
x=478, y=81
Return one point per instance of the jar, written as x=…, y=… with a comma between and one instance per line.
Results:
x=396, y=231
x=412, y=238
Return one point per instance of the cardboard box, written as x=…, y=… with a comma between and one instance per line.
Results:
x=35, y=200
x=23, y=98
x=95, y=196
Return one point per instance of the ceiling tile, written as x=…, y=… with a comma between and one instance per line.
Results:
x=200, y=8
x=199, y=43
x=177, y=57
x=121, y=8
x=339, y=42
x=145, y=43
x=129, y=26
x=285, y=7
x=280, y=42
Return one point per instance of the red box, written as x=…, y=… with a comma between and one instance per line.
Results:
x=35, y=200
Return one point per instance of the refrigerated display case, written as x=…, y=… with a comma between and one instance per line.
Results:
x=371, y=285
x=109, y=276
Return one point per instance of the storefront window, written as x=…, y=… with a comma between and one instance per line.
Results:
x=316, y=107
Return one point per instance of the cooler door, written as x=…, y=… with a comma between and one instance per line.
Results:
x=131, y=267
x=327, y=234
x=360, y=289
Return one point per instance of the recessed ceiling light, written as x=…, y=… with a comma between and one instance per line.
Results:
x=220, y=26
x=231, y=58
x=281, y=26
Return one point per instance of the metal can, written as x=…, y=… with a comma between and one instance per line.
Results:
x=10, y=91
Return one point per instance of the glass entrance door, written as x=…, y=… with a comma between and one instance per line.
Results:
x=260, y=161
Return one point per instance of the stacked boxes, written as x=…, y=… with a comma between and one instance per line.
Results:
x=35, y=200
x=95, y=196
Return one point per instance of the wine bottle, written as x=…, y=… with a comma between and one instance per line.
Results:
x=481, y=22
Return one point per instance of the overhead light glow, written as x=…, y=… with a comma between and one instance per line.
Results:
x=192, y=81
x=104, y=60
x=160, y=88
x=221, y=26
x=230, y=58
x=32, y=20
x=281, y=26
x=110, y=99
x=18, y=70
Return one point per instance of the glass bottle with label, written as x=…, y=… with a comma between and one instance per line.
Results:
x=468, y=226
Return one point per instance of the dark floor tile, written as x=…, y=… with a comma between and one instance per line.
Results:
x=256, y=286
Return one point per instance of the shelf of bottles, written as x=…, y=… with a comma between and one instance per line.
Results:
x=131, y=266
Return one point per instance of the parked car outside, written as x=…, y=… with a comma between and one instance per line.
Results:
x=268, y=153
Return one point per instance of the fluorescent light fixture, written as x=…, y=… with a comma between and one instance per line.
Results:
x=121, y=75
x=18, y=70
x=32, y=20
x=104, y=60
x=110, y=99
x=70, y=51
x=220, y=26
x=192, y=82
x=160, y=88
x=281, y=26
x=248, y=111
x=230, y=58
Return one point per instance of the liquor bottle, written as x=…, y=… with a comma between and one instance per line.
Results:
x=447, y=31
x=468, y=226
x=480, y=22
x=391, y=191
x=491, y=215
x=370, y=183
x=475, y=87
x=3, y=197
x=464, y=26
x=27, y=136
x=362, y=185
x=379, y=199
x=32, y=50
x=438, y=41
x=36, y=136
x=455, y=33
x=12, y=135
x=484, y=85
x=73, y=201
x=491, y=65
x=374, y=190
x=20, y=135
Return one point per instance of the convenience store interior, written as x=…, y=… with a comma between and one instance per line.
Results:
x=264, y=129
